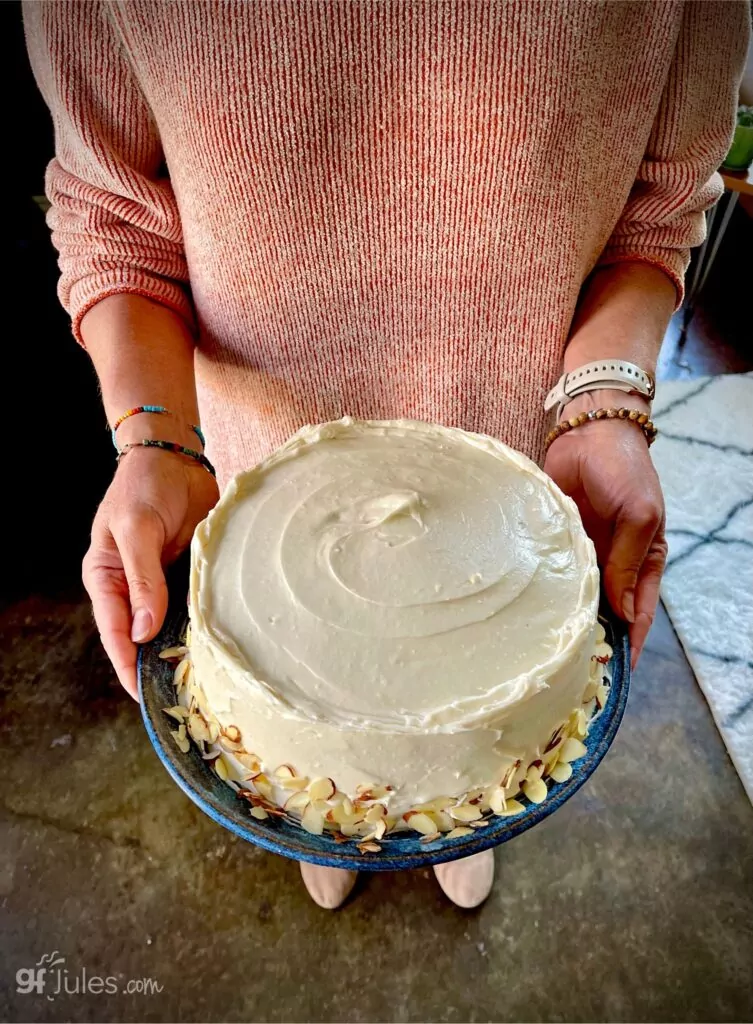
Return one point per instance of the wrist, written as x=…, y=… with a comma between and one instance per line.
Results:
x=604, y=398
x=154, y=426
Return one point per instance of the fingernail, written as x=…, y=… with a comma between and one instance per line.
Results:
x=142, y=626
x=628, y=605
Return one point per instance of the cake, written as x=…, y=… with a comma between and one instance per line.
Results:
x=393, y=625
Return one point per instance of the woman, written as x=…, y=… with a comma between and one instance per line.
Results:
x=301, y=210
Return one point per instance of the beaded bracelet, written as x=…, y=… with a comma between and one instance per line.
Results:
x=632, y=415
x=159, y=410
x=169, y=446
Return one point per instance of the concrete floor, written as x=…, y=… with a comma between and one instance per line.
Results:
x=633, y=903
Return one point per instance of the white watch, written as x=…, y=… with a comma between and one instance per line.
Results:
x=616, y=374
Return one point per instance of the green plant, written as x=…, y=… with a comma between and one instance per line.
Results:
x=745, y=117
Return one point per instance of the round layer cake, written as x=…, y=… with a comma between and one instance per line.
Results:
x=390, y=622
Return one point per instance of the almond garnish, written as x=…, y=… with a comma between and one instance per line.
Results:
x=259, y=813
x=369, y=847
x=312, y=820
x=173, y=652
x=296, y=802
x=421, y=822
x=322, y=789
x=497, y=800
x=512, y=807
x=179, y=713
x=535, y=791
x=562, y=771
x=465, y=812
x=572, y=749
x=375, y=813
x=461, y=830
x=181, y=740
x=431, y=838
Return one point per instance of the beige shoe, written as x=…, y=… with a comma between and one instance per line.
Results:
x=329, y=887
x=468, y=881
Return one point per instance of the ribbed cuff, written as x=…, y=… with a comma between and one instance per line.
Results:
x=673, y=262
x=90, y=290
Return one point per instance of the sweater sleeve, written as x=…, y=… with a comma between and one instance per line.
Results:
x=113, y=214
x=677, y=179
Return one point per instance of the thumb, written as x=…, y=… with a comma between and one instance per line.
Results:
x=634, y=532
x=140, y=536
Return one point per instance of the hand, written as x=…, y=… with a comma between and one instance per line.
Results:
x=146, y=519
x=605, y=467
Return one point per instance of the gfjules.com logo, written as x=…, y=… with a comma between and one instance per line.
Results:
x=51, y=978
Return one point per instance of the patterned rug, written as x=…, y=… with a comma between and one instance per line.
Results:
x=704, y=456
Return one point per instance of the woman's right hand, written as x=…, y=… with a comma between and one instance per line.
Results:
x=146, y=519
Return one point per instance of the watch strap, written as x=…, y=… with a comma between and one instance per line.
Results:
x=615, y=374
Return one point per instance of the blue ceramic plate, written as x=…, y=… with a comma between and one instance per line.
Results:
x=403, y=850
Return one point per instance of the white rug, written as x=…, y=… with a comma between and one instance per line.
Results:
x=704, y=456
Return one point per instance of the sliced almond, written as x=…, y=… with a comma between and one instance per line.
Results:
x=572, y=749
x=465, y=812
x=220, y=766
x=461, y=830
x=375, y=813
x=380, y=828
x=232, y=746
x=511, y=807
x=173, y=652
x=213, y=728
x=259, y=813
x=591, y=689
x=561, y=771
x=322, y=789
x=263, y=786
x=232, y=733
x=180, y=673
x=603, y=653
x=421, y=822
x=535, y=771
x=197, y=728
x=292, y=784
x=474, y=796
x=431, y=838
x=181, y=739
x=373, y=792
x=312, y=820
x=339, y=813
x=481, y=823
x=285, y=771
x=443, y=820
x=296, y=802
x=497, y=800
x=250, y=761
x=179, y=713
x=509, y=774
x=369, y=847
x=535, y=791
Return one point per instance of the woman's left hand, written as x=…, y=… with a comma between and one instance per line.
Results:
x=605, y=467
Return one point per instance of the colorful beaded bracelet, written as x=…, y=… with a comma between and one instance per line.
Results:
x=169, y=446
x=159, y=410
x=632, y=415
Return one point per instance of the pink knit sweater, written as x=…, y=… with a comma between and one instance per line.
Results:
x=378, y=208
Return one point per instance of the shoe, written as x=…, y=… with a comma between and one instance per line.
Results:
x=328, y=887
x=468, y=881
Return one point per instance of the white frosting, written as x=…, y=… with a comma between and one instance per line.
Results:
x=396, y=603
